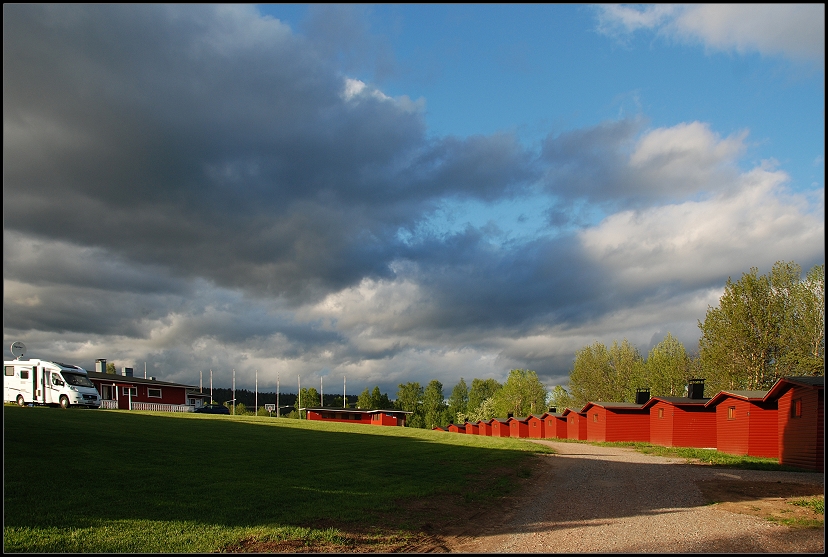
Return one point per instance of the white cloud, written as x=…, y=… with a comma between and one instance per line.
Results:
x=698, y=241
x=796, y=31
x=686, y=156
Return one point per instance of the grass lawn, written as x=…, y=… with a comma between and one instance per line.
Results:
x=118, y=481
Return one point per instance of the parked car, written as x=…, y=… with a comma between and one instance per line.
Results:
x=212, y=409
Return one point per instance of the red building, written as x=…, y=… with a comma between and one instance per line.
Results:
x=118, y=391
x=357, y=416
x=554, y=425
x=537, y=426
x=682, y=422
x=616, y=421
x=518, y=427
x=472, y=428
x=746, y=424
x=801, y=421
x=575, y=424
x=484, y=428
x=500, y=427
x=457, y=428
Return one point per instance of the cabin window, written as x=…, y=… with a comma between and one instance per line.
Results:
x=131, y=391
x=796, y=408
x=24, y=374
x=154, y=393
x=10, y=371
x=661, y=413
x=595, y=418
x=731, y=412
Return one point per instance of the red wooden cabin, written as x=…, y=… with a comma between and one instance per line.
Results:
x=457, y=428
x=616, y=421
x=358, y=416
x=575, y=424
x=500, y=427
x=472, y=428
x=801, y=421
x=537, y=427
x=681, y=422
x=554, y=425
x=745, y=423
x=117, y=391
x=518, y=427
x=484, y=428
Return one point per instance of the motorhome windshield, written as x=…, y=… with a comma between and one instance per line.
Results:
x=77, y=379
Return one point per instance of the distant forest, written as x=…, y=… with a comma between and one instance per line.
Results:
x=248, y=398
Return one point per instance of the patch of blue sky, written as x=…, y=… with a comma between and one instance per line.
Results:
x=539, y=70
x=504, y=222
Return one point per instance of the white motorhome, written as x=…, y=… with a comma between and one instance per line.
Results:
x=48, y=383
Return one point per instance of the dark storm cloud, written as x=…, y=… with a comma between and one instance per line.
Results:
x=219, y=144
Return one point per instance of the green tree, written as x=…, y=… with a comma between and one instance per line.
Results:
x=380, y=400
x=434, y=404
x=765, y=327
x=364, y=400
x=560, y=399
x=606, y=375
x=110, y=368
x=480, y=391
x=410, y=399
x=308, y=398
x=458, y=402
x=522, y=394
x=484, y=411
x=667, y=368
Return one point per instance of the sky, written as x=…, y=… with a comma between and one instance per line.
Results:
x=377, y=195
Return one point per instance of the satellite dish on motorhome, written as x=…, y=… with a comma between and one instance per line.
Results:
x=18, y=349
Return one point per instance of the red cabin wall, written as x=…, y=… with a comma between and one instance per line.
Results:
x=555, y=427
x=484, y=429
x=753, y=431
x=472, y=429
x=627, y=425
x=802, y=440
x=661, y=428
x=694, y=427
x=360, y=418
x=518, y=429
x=596, y=424
x=576, y=427
x=500, y=429
x=537, y=427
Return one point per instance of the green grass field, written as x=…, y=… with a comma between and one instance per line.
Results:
x=117, y=481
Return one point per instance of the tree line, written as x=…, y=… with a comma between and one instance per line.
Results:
x=764, y=328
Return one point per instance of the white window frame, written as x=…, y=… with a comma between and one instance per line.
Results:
x=127, y=390
x=151, y=390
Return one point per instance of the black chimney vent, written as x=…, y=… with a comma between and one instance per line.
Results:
x=553, y=409
x=509, y=415
x=642, y=396
x=695, y=388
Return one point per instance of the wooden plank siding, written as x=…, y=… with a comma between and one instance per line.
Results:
x=537, y=427
x=682, y=422
x=500, y=428
x=801, y=421
x=472, y=428
x=518, y=427
x=616, y=421
x=456, y=428
x=484, y=428
x=555, y=427
x=576, y=427
x=746, y=424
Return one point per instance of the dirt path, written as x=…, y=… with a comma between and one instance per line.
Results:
x=606, y=499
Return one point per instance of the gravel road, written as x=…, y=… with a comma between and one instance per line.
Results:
x=608, y=499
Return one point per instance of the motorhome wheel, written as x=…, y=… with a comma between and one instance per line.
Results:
x=20, y=401
x=64, y=402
